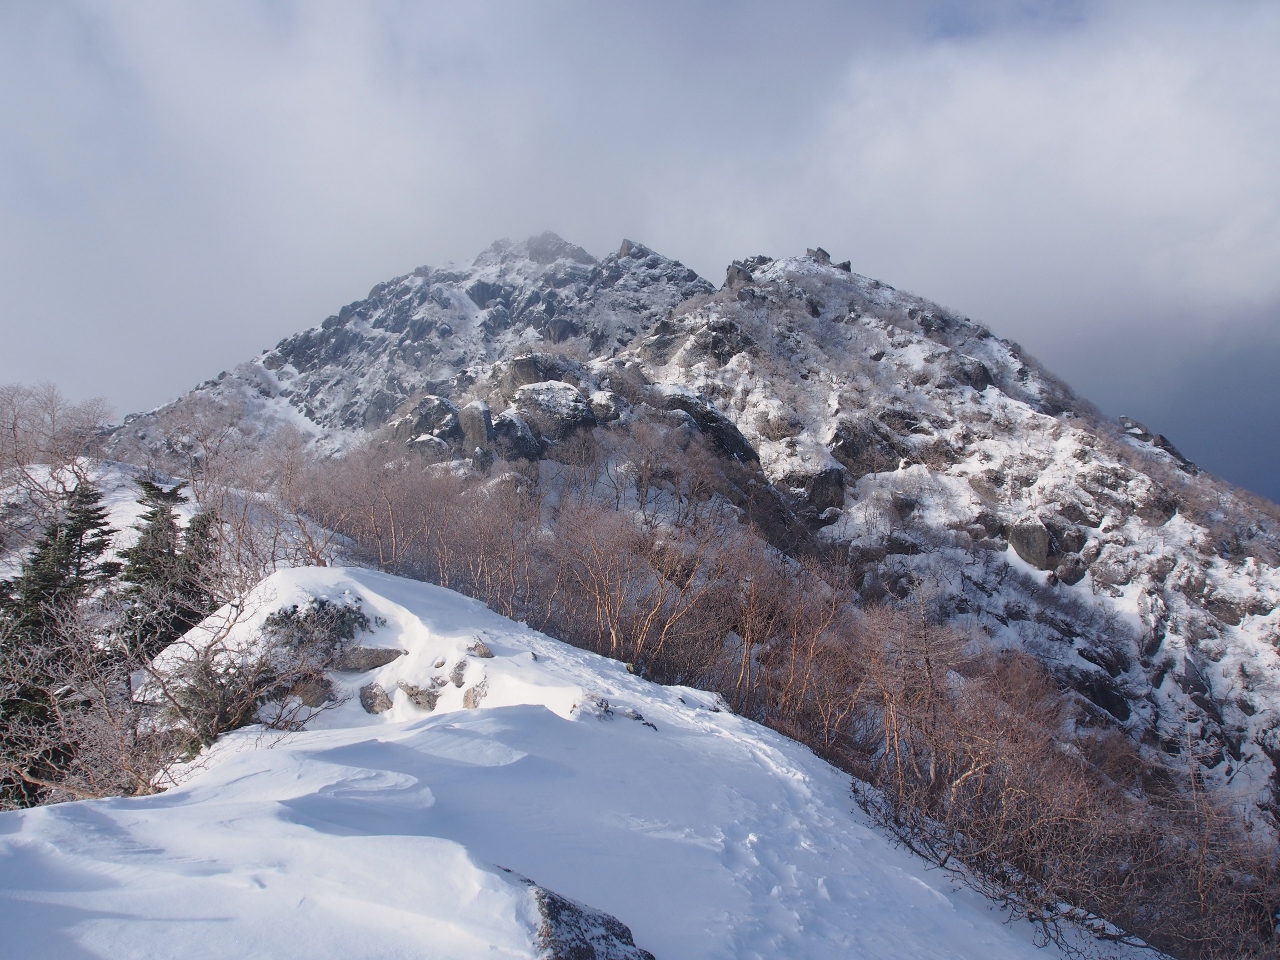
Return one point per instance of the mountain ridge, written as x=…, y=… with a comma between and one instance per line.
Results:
x=900, y=432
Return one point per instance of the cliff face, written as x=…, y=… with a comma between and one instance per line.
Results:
x=938, y=455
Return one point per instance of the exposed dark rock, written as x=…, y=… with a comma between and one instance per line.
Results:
x=1031, y=540
x=548, y=248
x=990, y=524
x=1135, y=429
x=661, y=344
x=484, y=294
x=966, y=371
x=1102, y=691
x=823, y=489
x=374, y=699
x=541, y=367
x=1075, y=512
x=903, y=505
x=476, y=422
x=1066, y=539
x=457, y=676
x=903, y=421
x=432, y=416
x=1163, y=443
x=424, y=697
x=720, y=340
x=819, y=255
x=863, y=446
x=1139, y=431
x=512, y=438
x=1071, y=569
x=718, y=428
x=1227, y=609
x=480, y=649
x=554, y=410
x=362, y=659
x=736, y=276
x=1157, y=508
x=574, y=931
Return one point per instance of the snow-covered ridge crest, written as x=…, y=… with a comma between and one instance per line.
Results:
x=433, y=331
x=393, y=833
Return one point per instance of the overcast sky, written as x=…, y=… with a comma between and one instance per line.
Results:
x=181, y=185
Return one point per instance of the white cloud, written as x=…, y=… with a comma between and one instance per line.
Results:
x=182, y=185
x=1131, y=162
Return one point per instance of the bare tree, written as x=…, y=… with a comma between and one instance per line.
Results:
x=45, y=443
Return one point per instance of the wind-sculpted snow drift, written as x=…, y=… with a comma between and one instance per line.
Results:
x=935, y=454
x=411, y=832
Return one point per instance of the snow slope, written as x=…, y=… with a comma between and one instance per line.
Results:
x=384, y=835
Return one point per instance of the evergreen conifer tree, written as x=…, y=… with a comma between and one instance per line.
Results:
x=163, y=570
x=63, y=569
x=64, y=566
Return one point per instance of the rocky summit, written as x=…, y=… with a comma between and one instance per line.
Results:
x=942, y=459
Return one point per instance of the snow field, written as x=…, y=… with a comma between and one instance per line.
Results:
x=382, y=836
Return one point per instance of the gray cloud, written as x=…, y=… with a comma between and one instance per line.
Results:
x=180, y=186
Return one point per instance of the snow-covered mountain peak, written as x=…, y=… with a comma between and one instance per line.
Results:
x=543, y=250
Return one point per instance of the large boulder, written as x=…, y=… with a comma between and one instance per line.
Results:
x=512, y=438
x=539, y=368
x=1032, y=541
x=713, y=424
x=1156, y=506
x=1071, y=569
x=1080, y=510
x=719, y=339
x=476, y=422
x=1046, y=542
x=374, y=698
x=432, y=417
x=554, y=410
x=966, y=371
x=424, y=697
x=363, y=659
x=573, y=931
x=736, y=276
x=822, y=489
x=863, y=446
x=606, y=405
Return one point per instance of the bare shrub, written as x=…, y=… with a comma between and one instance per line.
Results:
x=972, y=757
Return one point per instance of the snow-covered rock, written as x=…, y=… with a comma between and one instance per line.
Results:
x=411, y=832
